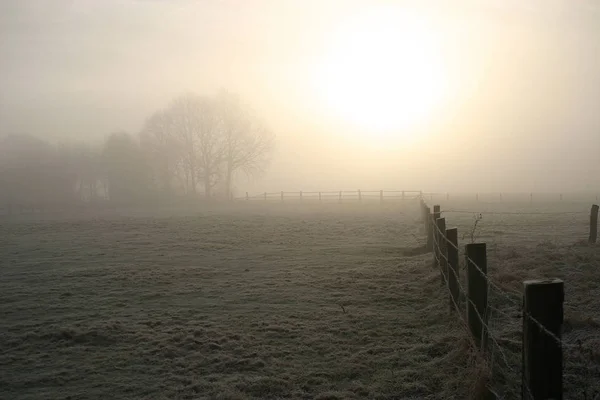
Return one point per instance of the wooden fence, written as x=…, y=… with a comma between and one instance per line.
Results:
x=541, y=309
x=340, y=196
x=529, y=197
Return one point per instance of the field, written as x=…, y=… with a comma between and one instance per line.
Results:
x=276, y=301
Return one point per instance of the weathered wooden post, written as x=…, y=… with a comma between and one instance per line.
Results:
x=436, y=212
x=443, y=253
x=542, y=368
x=247, y=197
x=453, y=268
x=359, y=195
x=282, y=196
x=429, y=228
x=477, y=286
x=436, y=236
x=381, y=196
x=593, y=224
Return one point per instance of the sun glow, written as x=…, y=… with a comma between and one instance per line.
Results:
x=382, y=73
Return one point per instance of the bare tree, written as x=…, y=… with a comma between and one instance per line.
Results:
x=205, y=141
x=247, y=141
x=194, y=124
x=162, y=150
x=210, y=150
x=182, y=113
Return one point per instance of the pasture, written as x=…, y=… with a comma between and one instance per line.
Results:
x=266, y=301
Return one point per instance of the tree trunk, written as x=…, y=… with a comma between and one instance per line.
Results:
x=207, y=185
x=228, y=179
x=81, y=189
x=93, y=190
x=193, y=176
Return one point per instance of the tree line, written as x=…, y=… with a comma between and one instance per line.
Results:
x=195, y=147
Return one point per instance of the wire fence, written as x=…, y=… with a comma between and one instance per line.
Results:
x=512, y=197
x=503, y=315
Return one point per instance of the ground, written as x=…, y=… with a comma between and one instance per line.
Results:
x=274, y=301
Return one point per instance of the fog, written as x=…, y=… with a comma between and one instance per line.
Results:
x=519, y=111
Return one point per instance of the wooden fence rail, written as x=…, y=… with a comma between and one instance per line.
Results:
x=339, y=196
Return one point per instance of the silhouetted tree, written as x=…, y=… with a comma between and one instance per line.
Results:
x=247, y=142
x=162, y=150
x=206, y=140
x=126, y=170
x=193, y=123
x=35, y=173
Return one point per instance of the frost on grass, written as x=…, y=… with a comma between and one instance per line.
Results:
x=261, y=303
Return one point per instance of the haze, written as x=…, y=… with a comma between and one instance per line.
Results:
x=510, y=104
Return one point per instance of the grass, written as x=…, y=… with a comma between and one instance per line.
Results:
x=318, y=302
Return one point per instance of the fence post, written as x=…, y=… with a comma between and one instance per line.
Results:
x=593, y=224
x=436, y=236
x=381, y=196
x=340, y=200
x=447, y=196
x=476, y=260
x=247, y=197
x=477, y=197
x=542, y=349
x=265, y=196
x=428, y=217
x=453, y=268
x=359, y=195
x=443, y=253
x=282, y=196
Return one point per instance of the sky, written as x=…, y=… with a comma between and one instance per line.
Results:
x=433, y=95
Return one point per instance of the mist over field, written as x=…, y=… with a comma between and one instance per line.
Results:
x=339, y=199
x=517, y=111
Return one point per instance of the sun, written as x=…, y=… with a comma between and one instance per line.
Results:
x=382, y=73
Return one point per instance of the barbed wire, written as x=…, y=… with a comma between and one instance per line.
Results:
x=490, y=283
x=439, y=256
x=485, y=325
